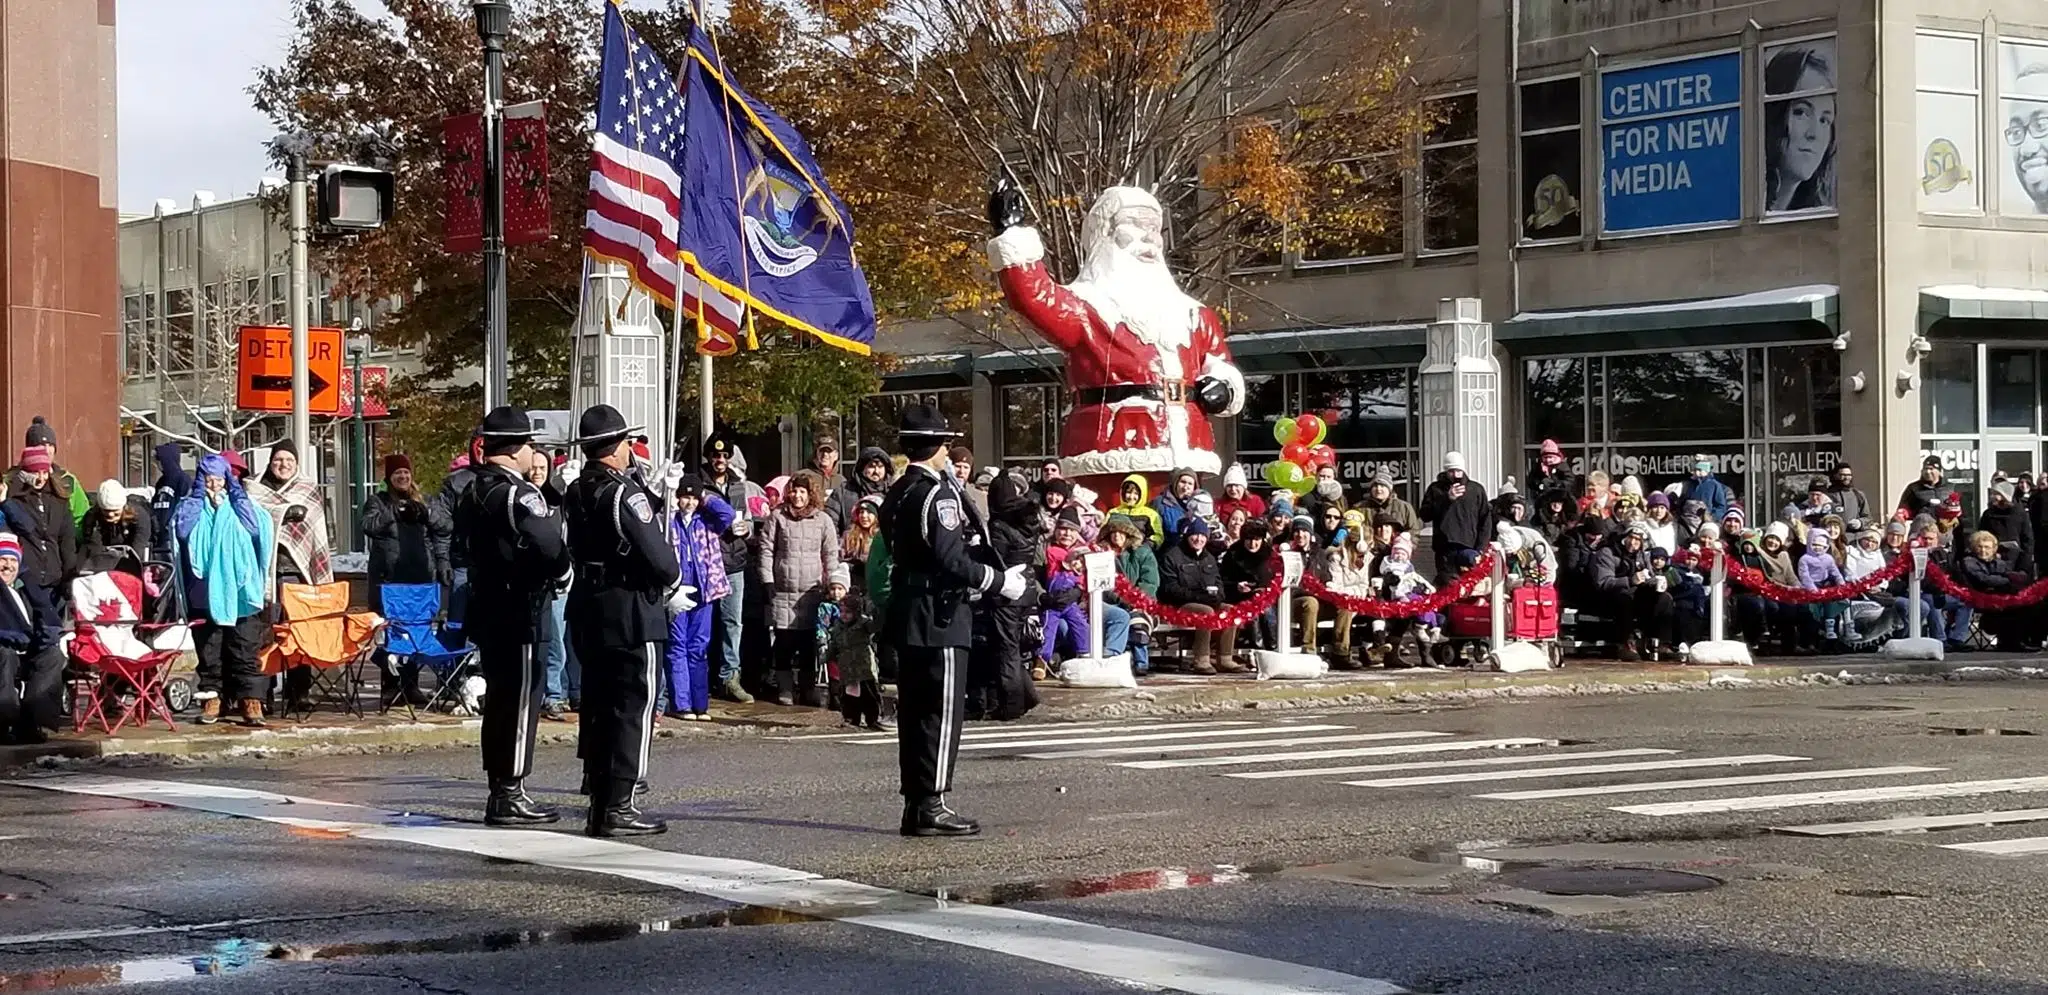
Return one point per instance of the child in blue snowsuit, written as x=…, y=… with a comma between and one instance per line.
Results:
x=702, y=516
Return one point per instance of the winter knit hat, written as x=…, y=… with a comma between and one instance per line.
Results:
x=10, y=545
x=1709, y=532
x=1818, y=541
x=1454, y=460
x=35, y=459
x=112, y=496
x=1202, y=504
x=1383, y=476
x=1640, y=531
x=1404, y=545
x=1280, y=508
x=1734, y=516
x=1782, y=531
x=842, y=575
x=1193, y=525
x=1235, y=475
x=40, y=433
x=1631, y=485
x=396, y=462
x=1069, y=517
x=1660, y=553
x=1660, y=500
x=1551, y=448
x=2003, y=489
x=1895, y=527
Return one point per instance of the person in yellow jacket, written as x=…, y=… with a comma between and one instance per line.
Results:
x=1131, y=504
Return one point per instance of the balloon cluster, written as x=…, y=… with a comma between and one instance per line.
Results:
x=1302, y=452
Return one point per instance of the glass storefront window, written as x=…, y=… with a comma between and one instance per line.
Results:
x=1365, y=409
x=879, y=415
x=1658, y=467
x=1666, y=397
x=1960, y=466
x=1948, y=390
x=1030, y=425
x=1805, y=390
x=1793, y=465
x=2010, y=378
x=1554, y=394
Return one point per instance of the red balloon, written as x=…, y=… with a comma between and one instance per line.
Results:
x=1310, y=429
x=1295, y=453
x=1323, y=455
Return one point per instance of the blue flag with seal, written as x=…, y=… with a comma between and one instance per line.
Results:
x=760, y=226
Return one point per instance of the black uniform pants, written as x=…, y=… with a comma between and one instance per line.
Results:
x=38, y=702
x=513, y=678
x=931, y=702
x=227, y=655
x=616, y=722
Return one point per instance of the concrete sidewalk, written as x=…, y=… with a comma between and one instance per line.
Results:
x=1159, y=694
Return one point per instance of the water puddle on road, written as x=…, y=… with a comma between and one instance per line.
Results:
x=241, y=956
x=1975, y=731
x=1152, y=879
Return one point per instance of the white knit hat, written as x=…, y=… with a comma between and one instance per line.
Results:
x=112, y=496
x=1779, y=529
x=1235, y=475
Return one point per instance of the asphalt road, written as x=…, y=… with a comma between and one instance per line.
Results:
x=1147, y=862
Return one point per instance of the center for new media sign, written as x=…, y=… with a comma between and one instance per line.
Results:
x=1671, y=144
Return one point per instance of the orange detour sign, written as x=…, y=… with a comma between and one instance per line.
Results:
x=263, y=370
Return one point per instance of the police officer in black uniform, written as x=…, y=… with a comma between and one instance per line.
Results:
x=942, y=560
x=626, y=575
x=518, y=558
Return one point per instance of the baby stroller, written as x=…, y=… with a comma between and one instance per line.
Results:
x=124, y=664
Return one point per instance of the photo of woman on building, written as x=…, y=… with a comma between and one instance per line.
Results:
x=1799, y=126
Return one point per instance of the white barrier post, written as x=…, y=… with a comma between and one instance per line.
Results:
x=1497, y=601
x=1717, y=599
x=1290, y=577
x=1914, y=646
x=1913, y=619
x=1100, y=571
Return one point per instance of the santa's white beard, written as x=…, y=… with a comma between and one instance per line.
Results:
x=1141, y=296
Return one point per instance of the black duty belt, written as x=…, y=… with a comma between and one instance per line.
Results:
x=1174, y=391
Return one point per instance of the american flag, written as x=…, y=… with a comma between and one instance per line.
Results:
x=635, y=185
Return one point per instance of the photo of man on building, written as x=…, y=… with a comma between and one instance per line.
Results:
x=1799, y=126
x=2023, y=85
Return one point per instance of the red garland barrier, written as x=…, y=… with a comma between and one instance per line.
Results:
x=1227, y=617
x=1985, y=600
x=1457, y=590
x=1753, y=580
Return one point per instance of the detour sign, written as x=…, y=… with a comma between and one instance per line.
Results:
x=263, y=369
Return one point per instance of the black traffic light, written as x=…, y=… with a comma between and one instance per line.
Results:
x=354, y=198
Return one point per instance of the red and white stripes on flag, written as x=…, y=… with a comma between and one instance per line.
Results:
x=635, y=189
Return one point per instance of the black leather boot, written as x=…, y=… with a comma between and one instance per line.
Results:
x=932, y=817
x=614, y=814
x=510, y=806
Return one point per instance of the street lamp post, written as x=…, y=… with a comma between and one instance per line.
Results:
x=493, y=22
x=359, y=476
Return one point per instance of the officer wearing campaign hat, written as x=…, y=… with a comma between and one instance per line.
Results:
x=518, y=558
x=626, y=579
x=942, y=559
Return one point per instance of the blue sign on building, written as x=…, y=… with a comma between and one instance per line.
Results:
x=1671, y=144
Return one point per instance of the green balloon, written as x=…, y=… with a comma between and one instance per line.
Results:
x=1284, y=431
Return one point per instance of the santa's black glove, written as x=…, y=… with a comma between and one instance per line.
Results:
x=1212, y=395
x=1005, y=206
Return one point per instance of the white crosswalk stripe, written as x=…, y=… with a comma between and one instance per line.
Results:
x=1536, y=758
x=1127, y=751
x=1578, y=771
x=1694, y=784
x=1283, y=751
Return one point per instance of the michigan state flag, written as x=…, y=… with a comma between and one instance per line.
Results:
x=760, y=227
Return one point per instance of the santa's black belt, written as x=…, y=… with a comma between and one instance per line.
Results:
x=1175, y=391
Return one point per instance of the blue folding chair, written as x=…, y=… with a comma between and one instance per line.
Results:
x=415, y=633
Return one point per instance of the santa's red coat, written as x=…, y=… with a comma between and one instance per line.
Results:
x=1109, y=439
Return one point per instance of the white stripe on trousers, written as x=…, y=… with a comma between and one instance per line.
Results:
x=525, y=703
x=942, y=771
x=647, y=714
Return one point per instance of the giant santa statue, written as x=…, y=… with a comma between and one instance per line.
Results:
x=1146, y=364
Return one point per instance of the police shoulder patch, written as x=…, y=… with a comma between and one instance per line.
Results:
x=949, y=513
x=535, y=504
x=641, y=508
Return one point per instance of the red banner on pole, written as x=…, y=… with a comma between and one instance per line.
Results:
x=462, y=177
x=527, y=219
x=526, y=174
x=376, y=381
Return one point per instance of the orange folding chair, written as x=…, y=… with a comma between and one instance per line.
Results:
x=320, y=633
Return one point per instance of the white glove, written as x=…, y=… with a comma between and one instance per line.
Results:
x=680, y=601
x=1013, y=583
x=569, y=472
x=676, y=473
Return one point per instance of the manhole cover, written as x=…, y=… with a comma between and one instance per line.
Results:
x=1616, y=881
x=1866, y=708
